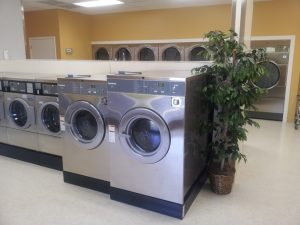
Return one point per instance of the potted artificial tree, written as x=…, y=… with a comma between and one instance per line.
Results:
x=230, y=90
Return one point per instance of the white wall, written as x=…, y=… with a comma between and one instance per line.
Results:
x=11, y=30
x=63, y=67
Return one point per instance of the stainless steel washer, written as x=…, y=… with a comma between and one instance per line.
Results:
x=3, y=134
x=20, y=111
x=83, y=111
x=271, y=106
x=47, y=116
x=157, y=154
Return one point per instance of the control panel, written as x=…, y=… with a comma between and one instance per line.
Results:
x=83, y=87
x=48, y=89
x=150, y=87
x=18, y=87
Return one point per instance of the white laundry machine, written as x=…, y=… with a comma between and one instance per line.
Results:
x=19, y=101
x=83, y=112
x=47, y=116
x=158, y=159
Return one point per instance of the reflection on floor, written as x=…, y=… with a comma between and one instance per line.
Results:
x=266, y=191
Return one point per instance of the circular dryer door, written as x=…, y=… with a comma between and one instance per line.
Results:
x=102, y=54
x=49, y=114
x=144, y=135
x=198, y=54
x=271, y=79
x=171, y=54
x=20, y=113
x=146, y=54
x=85, y=124
x=123, y=54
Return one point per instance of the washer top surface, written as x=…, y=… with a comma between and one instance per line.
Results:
x=19, y=76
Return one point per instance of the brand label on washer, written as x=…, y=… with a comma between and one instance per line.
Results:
x=62, y=123
x=111, y=133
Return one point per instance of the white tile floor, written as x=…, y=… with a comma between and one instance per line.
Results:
x=266, y=191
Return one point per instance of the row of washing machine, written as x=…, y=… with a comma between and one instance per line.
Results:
x=30, y=113
x=150, y=52
x=133, y=136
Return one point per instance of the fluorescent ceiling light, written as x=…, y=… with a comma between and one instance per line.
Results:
x=98, y=3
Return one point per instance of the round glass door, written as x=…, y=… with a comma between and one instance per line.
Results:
x=146, y=54
x=18, y=113
x=85, y=124
x=123, y=55
x=144, y=135
x=102, y=54
x=272, y=76
x=50, y=118
x=171, y=54
x=197, y=54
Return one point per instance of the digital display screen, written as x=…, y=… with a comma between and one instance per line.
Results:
x=161, y=84
x=49, y=89
x=17, y=86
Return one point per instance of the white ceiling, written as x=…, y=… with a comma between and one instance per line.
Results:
x=129, y=5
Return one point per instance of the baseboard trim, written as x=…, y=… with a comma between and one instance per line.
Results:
x=31, y=156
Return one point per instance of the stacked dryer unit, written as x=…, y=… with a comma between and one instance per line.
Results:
x=123, y=52
x=102, y=52
x=271, y=106
x=3, y=134
x=19, y=101
x=47, y=116
x=157, y=157
x=194, y=52
x=146, y=52
x=83, y=112
x=171, y=52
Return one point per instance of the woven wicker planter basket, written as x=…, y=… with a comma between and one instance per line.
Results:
x=221, y=184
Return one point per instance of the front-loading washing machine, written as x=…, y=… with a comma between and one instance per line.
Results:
x=195, y=52
x=19, y=101
x=157, y=155
x=123, y=52
x=171, y=52
x=47, y=116
x=146, y=52
x=271, y=105
x=102, y=52
x=3, y=133
x=83, y=112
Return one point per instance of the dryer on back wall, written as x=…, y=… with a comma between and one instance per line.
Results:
x=157, y=156
x=271, y=106
x=171, y=52
x=146, y=52
x=102, y=52
x=123, y=52
x=195, y=52
x=20, y=110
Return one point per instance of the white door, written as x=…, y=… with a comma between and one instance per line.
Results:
x=42, y=48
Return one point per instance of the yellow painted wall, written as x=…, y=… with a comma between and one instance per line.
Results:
x=42, y=23
x=75, y=33
x=161, y=24
x=279, y=17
